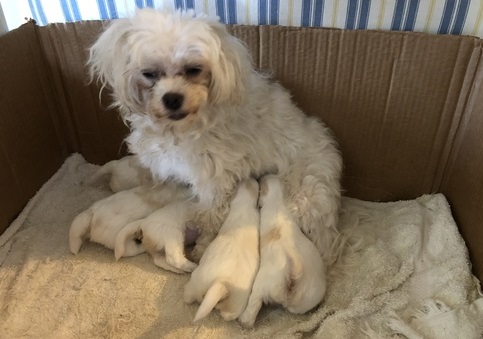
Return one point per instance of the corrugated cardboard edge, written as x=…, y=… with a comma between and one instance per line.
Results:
x=462, y=181
x=463, y=108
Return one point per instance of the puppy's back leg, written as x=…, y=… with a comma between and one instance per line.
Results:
x=255, y=302
x=215, y=293
x=101, y=172
x=191, y=292
x=175, y=255
x=160, y=261
x=127, y=235
x=78, y=229
x=233, y=305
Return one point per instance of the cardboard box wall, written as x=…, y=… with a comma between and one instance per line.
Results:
x=406, y=108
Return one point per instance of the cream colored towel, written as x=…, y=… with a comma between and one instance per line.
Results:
x=409, y=274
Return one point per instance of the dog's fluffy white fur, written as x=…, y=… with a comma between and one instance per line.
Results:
x=291, y=272
x=102, y=222
x=200, y=114
x=163, y=235
x=227, y=269
x=123, y=174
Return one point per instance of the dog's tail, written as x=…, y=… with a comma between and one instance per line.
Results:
x=215, y=293
x=100, y=173
x=78, y=229
x=129, y=240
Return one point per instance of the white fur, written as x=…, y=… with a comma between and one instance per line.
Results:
x=163, y=234
x=225, y=275
x=291, y=270
x=105, y=218
x=124, y=174
x=238, y=124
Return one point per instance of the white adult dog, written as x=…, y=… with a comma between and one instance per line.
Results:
x=227, y=269
x=199, y=113
x=291, y=270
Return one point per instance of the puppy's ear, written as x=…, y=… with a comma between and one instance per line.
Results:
x=230, y=71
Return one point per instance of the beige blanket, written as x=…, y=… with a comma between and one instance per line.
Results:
x=409, y=275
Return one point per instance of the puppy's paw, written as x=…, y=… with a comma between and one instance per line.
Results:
x=189, y=296
x=197, y=252
x=180, y=262
x=160, y=261
x=247, y=320
x=189, y=266
x=75, y=244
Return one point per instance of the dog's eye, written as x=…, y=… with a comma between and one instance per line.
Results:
x=192, y=71
x=150, y=75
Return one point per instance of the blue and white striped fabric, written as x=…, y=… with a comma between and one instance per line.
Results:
x=434, y=16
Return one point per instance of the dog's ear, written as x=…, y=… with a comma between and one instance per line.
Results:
x=230, y=71
x=108, y=56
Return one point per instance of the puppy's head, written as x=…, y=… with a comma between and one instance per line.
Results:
x=169, y=66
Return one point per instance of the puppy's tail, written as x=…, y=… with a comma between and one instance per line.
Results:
x=215, y=293
x=129, y=240
x=78, y=229
x=100, y=173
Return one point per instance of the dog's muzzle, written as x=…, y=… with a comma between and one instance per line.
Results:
x=173, y=102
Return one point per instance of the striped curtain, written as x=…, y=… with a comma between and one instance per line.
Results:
x=433, y=16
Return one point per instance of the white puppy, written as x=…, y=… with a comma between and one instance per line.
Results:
x=199, y=113
x=105, y=218
x=124, y=174
x=225, y=276
x=163, y=236
x=291, y=270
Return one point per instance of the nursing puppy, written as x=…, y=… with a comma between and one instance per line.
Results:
x=105, y=218
x=225, y=276
x=199, y=113
x=163, y=236
x=123, y=174
x=291, y=272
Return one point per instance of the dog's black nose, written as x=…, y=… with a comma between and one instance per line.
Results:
x=173, y=101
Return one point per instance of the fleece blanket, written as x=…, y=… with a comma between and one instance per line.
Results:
x=404, y=273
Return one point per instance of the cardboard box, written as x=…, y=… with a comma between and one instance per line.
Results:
x=406, y=108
